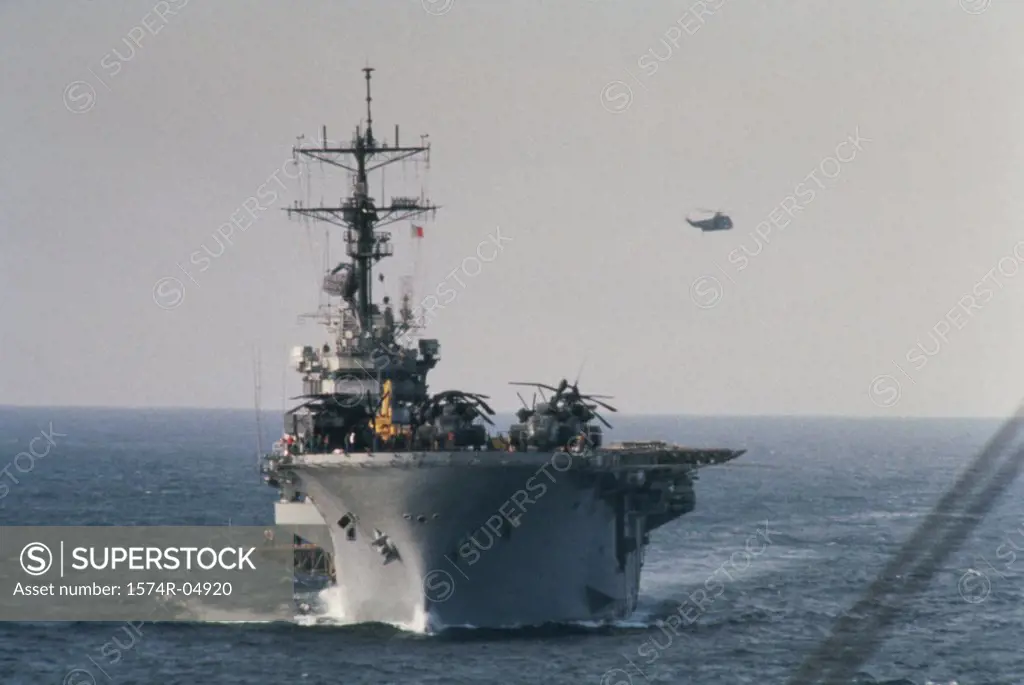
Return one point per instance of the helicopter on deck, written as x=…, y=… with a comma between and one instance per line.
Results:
x=719, y=221
x=563, y=420
x=452, y=413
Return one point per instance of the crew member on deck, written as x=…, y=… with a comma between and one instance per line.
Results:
x=389, y=319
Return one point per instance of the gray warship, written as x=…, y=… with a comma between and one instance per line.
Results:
x=431, y=519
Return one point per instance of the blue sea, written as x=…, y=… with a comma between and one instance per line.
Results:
x=826, y=500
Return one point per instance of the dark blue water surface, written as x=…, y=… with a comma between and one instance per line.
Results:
x=826, y=501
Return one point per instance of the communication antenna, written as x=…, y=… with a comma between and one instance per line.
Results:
x=257, y=391
x=579, y=373
x=405, y=311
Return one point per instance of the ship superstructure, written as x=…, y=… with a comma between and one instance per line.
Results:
x=430, y=518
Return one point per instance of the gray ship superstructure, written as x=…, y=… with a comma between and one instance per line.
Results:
x=433, y=520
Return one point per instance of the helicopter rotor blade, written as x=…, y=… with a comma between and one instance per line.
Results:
x=536, y=385
x=474, y=398
x=601, y=419
x=603, y=404
x=521, y=399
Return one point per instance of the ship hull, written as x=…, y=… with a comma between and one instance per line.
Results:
x=471, y=545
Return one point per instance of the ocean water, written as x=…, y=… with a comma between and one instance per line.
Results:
x=824, y=502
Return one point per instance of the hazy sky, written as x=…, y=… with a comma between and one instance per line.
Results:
x=585, y=130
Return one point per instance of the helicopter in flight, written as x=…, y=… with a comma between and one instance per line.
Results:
x=719, y=221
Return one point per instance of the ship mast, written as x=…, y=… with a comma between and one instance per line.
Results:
x=358, y=214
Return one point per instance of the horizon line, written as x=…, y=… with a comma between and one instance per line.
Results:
x=513, y=411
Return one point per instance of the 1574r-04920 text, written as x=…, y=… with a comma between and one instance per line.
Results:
x=186, y=589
